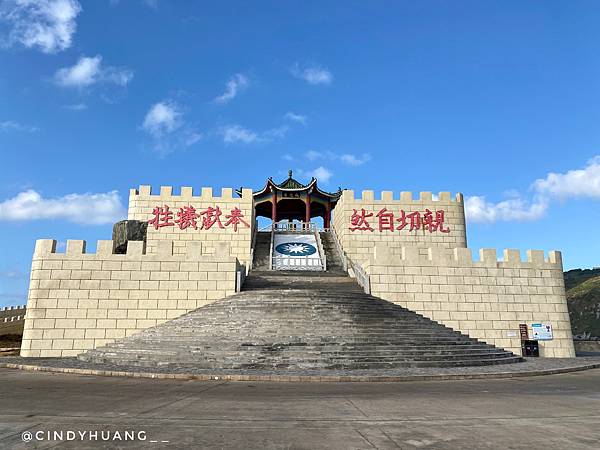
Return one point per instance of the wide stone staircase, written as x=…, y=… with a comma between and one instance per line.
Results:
x=295, y=321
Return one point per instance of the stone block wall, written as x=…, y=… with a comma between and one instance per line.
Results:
x=142, y=203
x=78, y=300
x=486, y=299
x=358, y=245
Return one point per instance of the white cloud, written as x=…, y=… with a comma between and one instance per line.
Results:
x=162, y=118
x=236, y=133
x=299, y=118
x=313, y=155
x=190, y=137
x=76, y=107
x=354, y=160
x=234, y=86
x=165, y=125
x=478, y=210
x=10, y=125
x=346, y=158
x=323, y=174
x=574, y=183
x=12, y=274
x=287, y=157
x=278, y=132
x=579, y=183
x=48, y=25
x=93, y=209
x=89, y=70
x=312, y=74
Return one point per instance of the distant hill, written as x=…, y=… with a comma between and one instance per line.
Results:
x=583, y=299
x=577, y=276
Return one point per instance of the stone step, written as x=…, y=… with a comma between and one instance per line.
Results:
x=293, y=321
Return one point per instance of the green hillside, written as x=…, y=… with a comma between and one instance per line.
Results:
x=577, y=276
x=583, y=296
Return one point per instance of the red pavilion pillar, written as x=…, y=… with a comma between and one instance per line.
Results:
x=274, y=207
x=307, y=214
x=327, y=218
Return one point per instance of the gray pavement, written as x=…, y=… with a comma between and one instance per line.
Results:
x=550, y=412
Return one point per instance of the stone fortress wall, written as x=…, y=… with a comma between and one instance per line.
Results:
x=142, y=203
x=486, y=299
x=359, y=244
x=12, y=319
x=434, y=274
x=79, y=301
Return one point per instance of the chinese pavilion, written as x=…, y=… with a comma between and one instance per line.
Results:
x=292, y=200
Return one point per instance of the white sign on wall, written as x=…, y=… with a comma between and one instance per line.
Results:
x=542, y=331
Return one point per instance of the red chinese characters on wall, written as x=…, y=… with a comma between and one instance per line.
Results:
x=189, y=217
x=432, y=221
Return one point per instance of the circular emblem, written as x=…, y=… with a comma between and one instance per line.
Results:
x=295, y=249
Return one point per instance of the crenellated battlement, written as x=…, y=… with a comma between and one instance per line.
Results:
x=511, y=258
x=13, y=308
x=76, y=249
x=403, y=197
x=186, y=193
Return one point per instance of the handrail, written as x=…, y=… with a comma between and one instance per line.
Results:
x=362, y=277
x=271, y=249
x=320, y=248
x=338, y=246
x=283, y=262
x=253, y=244
x=305, y=227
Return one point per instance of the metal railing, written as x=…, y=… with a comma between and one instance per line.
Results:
x=253, y=244
x=338, y=247
x=271, y=248
x=295, y=227
x=362, y=277
x=295, y=263
x=320, y=249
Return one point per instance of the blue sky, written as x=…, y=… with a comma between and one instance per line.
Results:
x=497, y=99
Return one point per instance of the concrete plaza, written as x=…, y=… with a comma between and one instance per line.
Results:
x=550, y=412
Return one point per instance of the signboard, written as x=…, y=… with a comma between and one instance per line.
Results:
x=542, y=331
x=524, y=332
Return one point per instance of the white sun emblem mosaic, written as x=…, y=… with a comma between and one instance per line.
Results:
x=295, y=249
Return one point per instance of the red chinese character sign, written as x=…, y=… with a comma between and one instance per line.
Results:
x=358, y=221
x=162, y=217
x=386, y=221
x=235, y=218
x=189, y=217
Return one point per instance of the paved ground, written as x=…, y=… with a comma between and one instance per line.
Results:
x=530, y=366
x=550, y=412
